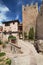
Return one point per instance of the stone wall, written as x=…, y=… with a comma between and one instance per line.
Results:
x=29, y=15
x=13, y=28
x=39, y=25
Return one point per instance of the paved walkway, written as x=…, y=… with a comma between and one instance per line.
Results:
x=29, y=56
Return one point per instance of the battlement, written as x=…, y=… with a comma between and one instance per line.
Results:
x=31, y=5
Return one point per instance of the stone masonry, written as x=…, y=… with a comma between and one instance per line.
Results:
x=29, y=15
x=39, y=24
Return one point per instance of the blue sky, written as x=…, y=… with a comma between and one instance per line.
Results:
x=12, y=9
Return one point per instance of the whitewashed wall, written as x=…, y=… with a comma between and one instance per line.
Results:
x=13, y=28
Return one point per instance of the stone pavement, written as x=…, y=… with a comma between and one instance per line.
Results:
x=28, y=57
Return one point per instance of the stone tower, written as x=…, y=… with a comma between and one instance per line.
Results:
x=29, y=15
x=39, y=23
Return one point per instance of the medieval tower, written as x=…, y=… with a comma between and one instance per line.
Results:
x=39, y=23
x=29, y=15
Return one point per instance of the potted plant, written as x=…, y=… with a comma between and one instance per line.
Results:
x=13, y=40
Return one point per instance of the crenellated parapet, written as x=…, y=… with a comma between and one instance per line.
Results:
x=24, y=7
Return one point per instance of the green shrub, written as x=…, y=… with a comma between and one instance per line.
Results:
x=31, y=34
x=8, y=61
x=25, y=35
x=11, y=37
x=2, y=54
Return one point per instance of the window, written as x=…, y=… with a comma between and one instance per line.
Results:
x=7, y=24
x=13, y=22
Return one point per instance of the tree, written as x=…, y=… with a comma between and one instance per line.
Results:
x=31, y=34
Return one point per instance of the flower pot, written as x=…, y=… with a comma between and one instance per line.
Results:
x=13, y=40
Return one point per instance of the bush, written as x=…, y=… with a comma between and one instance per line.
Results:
x=25, y=35
x=2, y=54
x=31, y=34
x=8, y=61
x=11, y=37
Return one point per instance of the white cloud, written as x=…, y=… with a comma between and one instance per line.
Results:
x=0, y=24
x=3, y=11
x=2, y=17
x=17, y=17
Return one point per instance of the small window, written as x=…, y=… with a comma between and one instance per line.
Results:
x=13, y=22
x=7, y=24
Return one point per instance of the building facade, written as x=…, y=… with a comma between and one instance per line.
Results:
x=10, y=27
x=29, y=15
